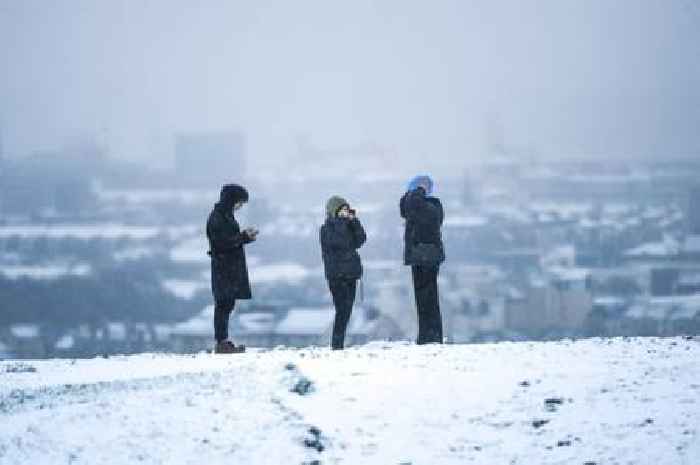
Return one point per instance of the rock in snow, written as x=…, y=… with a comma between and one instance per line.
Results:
x=594, y=401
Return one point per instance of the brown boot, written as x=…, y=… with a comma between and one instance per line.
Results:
x=227, y=347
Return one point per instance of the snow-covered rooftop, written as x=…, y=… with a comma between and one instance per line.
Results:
x=463, y=221
x=65, y=342
x=28, y=331
x=257, y=322
x=133, y=253
x=692, y=244
x=666, y=308
x=665, y=248
x=191, y=250
x=289, y=272
x=48, y=271
x=306, y=321
x=201, y=324
x=94, y=231
x=155, y=196
x=183, y=288
x=569, y=273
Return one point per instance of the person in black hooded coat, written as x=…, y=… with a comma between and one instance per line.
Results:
x=424, y=252
x=341, y=235
x=229, y=271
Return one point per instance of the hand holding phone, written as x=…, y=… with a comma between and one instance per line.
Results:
x=251, y=232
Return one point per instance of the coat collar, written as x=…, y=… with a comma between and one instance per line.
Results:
x=224, y=211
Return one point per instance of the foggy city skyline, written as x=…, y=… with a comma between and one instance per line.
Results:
x=555, y=80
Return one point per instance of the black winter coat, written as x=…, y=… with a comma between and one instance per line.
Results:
x=340, y=239
x=424, y=216
x=229, y=271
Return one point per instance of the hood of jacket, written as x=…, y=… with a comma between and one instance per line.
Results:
x=421, y=180
x=231, y=194
x=334, y=204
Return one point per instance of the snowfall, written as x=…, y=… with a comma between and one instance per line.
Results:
x=594, y=401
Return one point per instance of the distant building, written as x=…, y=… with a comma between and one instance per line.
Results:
x=653, y=252
x=607, y=316
x=3, y=174
x=694, y=211
x=473, y=317
x=5, y=352
x=25, y=340
x=210, y=158
x=662, y=281
x=662, y=316
x=672, y=266
x=303, y=327
x=473, y=302
x=672, y=277
x=691, y=248
x=195, y=334
x=688, y=282
x=276, y=325
x=49, y=185
x=2, y=153
x=562, y=301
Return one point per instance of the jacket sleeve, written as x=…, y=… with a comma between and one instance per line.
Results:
x=441, y=211
x=416, y=207
x=358, y=233
x=246, y=238
x=222, y=237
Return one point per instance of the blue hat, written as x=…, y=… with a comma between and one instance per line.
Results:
x=422, y=180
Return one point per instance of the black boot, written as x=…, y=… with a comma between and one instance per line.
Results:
x=228, y=347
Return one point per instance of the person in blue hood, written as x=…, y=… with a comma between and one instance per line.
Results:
x=424, y=252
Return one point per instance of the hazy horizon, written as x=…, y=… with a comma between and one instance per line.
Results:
x=437, y=85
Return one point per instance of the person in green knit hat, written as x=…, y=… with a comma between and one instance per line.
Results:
x=341, y=236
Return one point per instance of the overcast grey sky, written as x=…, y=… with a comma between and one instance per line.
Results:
x=425, y=78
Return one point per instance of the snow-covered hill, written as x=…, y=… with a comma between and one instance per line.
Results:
x=592, y=401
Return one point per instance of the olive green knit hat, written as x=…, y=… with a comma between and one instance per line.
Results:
x=334, y=204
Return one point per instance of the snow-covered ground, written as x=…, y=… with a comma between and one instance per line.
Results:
x=592, y=401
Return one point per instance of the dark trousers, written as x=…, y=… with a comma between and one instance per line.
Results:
x=428, y=304
x=343, y=292
x=222, y=312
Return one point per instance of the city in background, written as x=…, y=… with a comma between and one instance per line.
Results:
x=562, y=136
x=99, y=256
